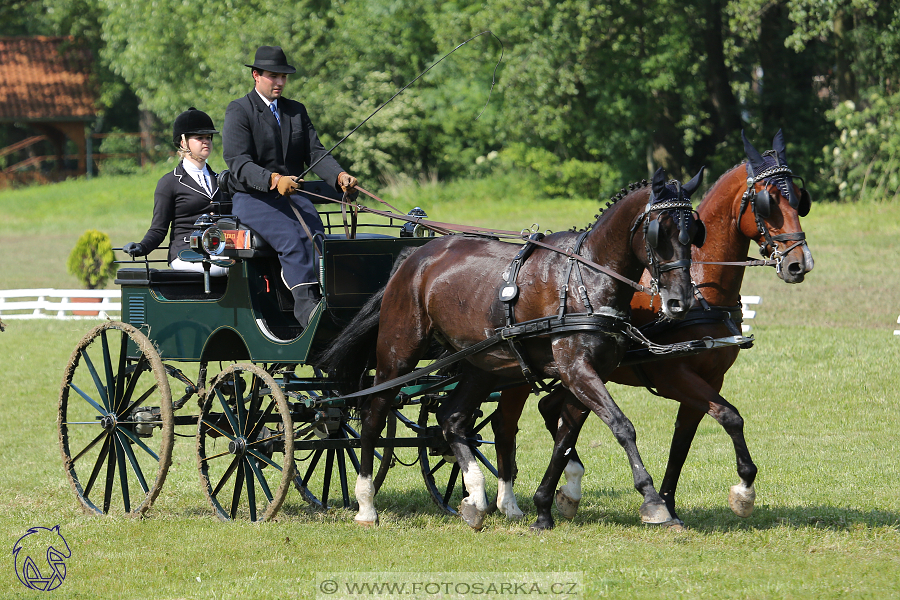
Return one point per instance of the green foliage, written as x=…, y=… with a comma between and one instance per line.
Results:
x=92, y=259
x=865, y=159
x=571, y=178
x=124, y=151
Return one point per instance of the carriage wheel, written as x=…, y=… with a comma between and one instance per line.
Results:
x=115, y=421
x=442, y=476
x=244, y=422
x=334, y=442
x=326, y=466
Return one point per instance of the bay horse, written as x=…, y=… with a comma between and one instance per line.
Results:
x=461, y=290
x=756, y=201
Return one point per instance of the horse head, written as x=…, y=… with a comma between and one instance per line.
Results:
x=663, y=236
x=776, y=204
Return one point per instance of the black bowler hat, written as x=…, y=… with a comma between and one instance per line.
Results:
x=271, y=58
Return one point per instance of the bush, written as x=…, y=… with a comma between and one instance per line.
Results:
x=571, y=178
x=92, y=259
x=120, y=146
x=864, y=163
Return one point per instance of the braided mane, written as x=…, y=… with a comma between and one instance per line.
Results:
x=612, y=200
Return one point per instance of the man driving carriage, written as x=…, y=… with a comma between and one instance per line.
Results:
x=266, y=141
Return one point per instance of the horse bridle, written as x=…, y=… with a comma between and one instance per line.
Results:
x=683, y=213
x=769, y=177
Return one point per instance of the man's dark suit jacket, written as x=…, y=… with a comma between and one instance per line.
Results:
x=254, y=146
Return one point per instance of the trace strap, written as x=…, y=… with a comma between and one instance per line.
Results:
x=543, y=326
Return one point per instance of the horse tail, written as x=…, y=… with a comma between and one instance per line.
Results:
x=352, y=353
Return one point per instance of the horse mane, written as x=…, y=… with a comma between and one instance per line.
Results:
x=612, y=200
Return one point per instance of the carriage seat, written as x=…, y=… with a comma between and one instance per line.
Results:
x=172, y=284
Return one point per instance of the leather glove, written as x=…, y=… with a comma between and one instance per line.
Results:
x=133, y=248
x=346, y=181
x=285, y=184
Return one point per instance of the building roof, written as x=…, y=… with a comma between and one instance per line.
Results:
x=45, y=79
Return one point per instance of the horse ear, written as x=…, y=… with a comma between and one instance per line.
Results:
x=778, y=147
x=756, y=159
x=691, y=186
x=659, y=182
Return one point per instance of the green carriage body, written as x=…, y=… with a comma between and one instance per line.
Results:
x=247, y=316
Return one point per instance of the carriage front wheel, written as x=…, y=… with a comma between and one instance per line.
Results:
x=245, y=424
x=115, y=421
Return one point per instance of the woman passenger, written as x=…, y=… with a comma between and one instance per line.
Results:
x=183, y=194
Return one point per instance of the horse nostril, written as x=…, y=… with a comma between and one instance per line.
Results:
x=795, y=269
x=674, y=306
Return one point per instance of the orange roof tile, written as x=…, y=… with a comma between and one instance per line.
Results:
x=45, y=79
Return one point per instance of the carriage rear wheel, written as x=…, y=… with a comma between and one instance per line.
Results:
x=440, y=471
x=244, y=423
x=115, y=421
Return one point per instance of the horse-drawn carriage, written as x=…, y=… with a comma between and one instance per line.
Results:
x=126, y=395
x=266, y=417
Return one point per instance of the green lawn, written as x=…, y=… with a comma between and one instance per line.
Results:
x=818, y=392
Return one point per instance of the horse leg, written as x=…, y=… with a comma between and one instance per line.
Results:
x=559, y=408
x=373, y=418
x=587, y=387
x=455, y=416
x=698, y=397
x=505, y=424
x=571, y=419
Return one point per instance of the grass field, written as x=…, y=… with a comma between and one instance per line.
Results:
x=818, y=392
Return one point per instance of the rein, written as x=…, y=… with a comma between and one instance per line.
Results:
x=448, y=228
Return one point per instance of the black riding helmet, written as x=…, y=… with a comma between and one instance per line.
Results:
x=191, y=122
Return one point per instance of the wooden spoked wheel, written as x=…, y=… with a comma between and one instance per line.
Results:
x=245, y=444
x=115, y=421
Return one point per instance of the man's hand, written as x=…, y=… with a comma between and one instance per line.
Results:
x=347, y=182
x=285, y=184
x=133, y=249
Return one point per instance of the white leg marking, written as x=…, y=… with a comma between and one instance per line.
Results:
x=365, y=495
x=506, y=501
x=569, y=495
x=573, y=472
x=474, y=480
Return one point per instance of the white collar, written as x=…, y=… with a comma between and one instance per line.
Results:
x=266, y=100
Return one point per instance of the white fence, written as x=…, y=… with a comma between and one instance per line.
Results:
x=59, y=304
x=66, y=304
x=748, y=314
x=897, y=331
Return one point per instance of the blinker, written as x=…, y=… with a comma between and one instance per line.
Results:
x=653, y=234
x=763, y=203
x=805, y=203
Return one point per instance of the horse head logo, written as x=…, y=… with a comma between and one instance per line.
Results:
x=50, y=549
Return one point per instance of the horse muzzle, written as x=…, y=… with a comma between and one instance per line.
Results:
x=794, y=268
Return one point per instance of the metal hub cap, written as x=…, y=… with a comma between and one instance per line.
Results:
x=238, y=446
x=108, y=422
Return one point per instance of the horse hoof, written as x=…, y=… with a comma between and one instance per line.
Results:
x=675, y=524
x=741, y=500
x=655, y=514
x=366, y=523
x=472, y=516
x=542, y=525
x=566, y=506
x=366, y=520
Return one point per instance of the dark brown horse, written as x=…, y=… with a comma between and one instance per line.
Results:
x=451, y=289
x=767, y=213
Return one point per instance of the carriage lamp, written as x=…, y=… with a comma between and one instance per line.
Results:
x=410, y=229
x=213, y=241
